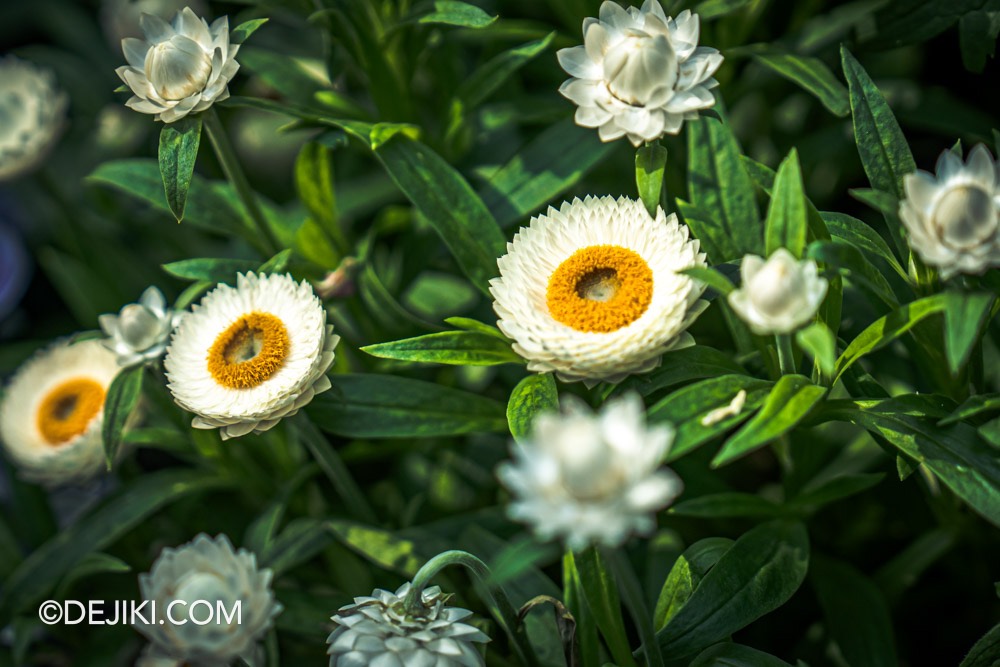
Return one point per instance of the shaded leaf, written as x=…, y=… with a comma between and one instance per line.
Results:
x=461, y=348
x=532, y=396
x=178, y=151
x=123, y=395
x=812, y=75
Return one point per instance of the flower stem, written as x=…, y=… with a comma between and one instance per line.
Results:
x=496, y=597
x=631, y=591
x=234, y=172
x=786, y=356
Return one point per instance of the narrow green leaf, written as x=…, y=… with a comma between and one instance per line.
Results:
x=812, y=75
x=448, y=203
x=728, y=654
x=727, y=505
x=488, y=78
x=278, y=263
x=314, y=184
x=761, y=571
x=986, y=651
x=123, y=395
x=650, y=161
x=791, y=399
x=857, y=616
x=887, y=329
x=690, y=363
x=385, y=406
x=851, y=231
x=973, y=406
x=965, y=316
x=710, y=9
x=602, y=599
x=787, y=217
x=462, y=14
x=301, y=540
x=460, y=348
x=819, y=342
x=381, y=547
x=685, y=575
x=178, y=152
x=854, y=266
x=476, y=326
x=837, y=488
x=242, y=32
x=334, y=469
x=532, y=396
x=215, y=270
x=712, y=278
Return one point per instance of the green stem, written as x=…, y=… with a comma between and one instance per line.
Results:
x=234, y=172
x=496, y=597
x=631, y=591
x=786, y=356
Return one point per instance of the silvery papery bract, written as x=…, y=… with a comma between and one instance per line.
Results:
x=377, y=631
x=639, y=73
x=952, y=218
x=32, y=113
x=181, y=67
x=140, y=331
x=590, y=478
x=780, y=295
x=207, y=569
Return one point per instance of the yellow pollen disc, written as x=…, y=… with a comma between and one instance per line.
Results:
x=67, y=410
x=249, y=352
x=600, y=289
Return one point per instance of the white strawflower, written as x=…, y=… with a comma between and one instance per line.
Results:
x=639, y=73
x=594, y=292
x=240, y=605
x=52, y=412
x=953, y=219
x=248, y=356
x=140, y=331
x=120, y=18
x=590, y=478
x=377, y=631
x=180, y=67
x=32, y=114
x=780, y=295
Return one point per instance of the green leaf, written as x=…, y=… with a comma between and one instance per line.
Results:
x=857, y=616
x=460, y=348
x=710, y=9
x=812, y=75
x=686, y=408
x=178, y=152
x=334, y=469
x=787, y=217
x=884, y=152
x=835, y=489
x=122, y=511
x=531, y=396
x=295, y=80
x=602, y=599
x=462, y=14
x=92, y=564
x=849, y=261
x=650, y=161
x=448, y=203
x=761, y=571
x=712, y=278
x=819, y=342
x=242, y=32
x=385, y=406
x=123, y=395
x=542, y=170
x=728, y=654
x=954, y=454
x=488, y=78
x=685, y=575
x=677, y=366
x=723, y=213
x=886, y=329
x=476, y=326
x=986, y=651
x=965, y=317
x=973, y=406
x=851, y=231
x=379, y=546
x=210, y=269
x=314, y=184
x=301, y=540
x=977, y=34
x=906, y=568
x=727, y=505
x=278, y=263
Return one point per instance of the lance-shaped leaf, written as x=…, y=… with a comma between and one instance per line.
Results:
x=650, y=160
x=459, y=348
x=812, y=75
x=123, y=395
x=787, y=218
x=965, y=316
x=178, y=152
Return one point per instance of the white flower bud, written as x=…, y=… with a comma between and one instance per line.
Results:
x=177, y=68
x=780, y=295
x=140, y=331
x=638, y=66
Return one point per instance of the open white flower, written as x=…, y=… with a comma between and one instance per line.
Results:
x=780, y=295
x=639, y=73
x=140, y=331
x=240, y=605
x=377, y=631
x=248, y=356
x=591, y=478
x=52, y=411
x=594, y=292
x=32, y=114
x=181, y=67
x=953, y=219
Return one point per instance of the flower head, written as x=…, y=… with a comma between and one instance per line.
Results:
x=377, y=630
x=594, y=292
x=139, y=332
x=639, y=73
x=248, y=356
x=780, y=295
x=32, y=114
x=181, y=67
x=953, y=218
x=591, y=478
x=210, y=570
x=52, y=411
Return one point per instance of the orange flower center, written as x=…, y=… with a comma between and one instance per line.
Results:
x=600, y=289
x=67, y=410
x=249, y=352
